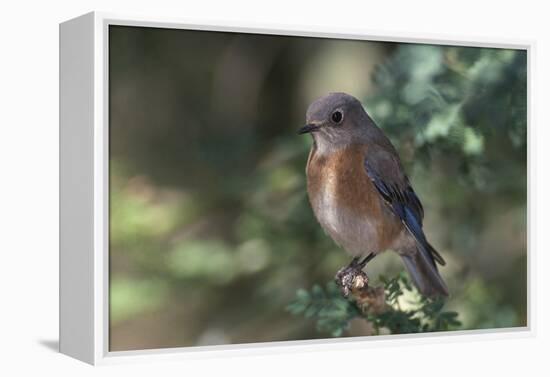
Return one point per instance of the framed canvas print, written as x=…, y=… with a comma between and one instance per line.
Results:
x=234, y=189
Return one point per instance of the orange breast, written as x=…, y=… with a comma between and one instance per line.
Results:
x=347, y=204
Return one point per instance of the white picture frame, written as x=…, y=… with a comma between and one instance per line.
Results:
x=84, y=195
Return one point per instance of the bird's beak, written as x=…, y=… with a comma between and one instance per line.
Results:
x=308, y=128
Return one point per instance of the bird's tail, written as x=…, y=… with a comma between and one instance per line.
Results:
x=424, y=274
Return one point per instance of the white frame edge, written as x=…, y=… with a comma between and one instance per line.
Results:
x=76, y=179
x=84, y=222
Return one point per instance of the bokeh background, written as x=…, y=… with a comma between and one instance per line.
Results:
x=211, y=233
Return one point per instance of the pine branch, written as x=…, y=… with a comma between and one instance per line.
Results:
x=380, y=306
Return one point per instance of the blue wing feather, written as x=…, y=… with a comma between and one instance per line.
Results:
x=404, y=203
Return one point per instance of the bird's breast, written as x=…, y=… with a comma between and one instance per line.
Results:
x=346, y=203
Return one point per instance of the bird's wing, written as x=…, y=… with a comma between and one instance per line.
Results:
x=386, y=173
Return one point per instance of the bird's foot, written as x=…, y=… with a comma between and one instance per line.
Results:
x=352, y=277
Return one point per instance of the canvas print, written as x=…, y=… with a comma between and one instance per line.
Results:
x=268, y=188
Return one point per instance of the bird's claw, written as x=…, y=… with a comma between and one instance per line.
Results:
x=351, y=277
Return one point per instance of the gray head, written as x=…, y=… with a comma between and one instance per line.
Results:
x=337, y=119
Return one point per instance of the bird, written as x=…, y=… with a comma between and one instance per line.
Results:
x=361, y=195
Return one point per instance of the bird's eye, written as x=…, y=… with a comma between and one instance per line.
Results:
x=337, y=116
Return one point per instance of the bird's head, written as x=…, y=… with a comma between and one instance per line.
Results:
x=336, y=119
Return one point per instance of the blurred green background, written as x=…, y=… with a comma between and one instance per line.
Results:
x=211, y=233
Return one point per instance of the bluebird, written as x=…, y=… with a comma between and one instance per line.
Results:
x=361, y=196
